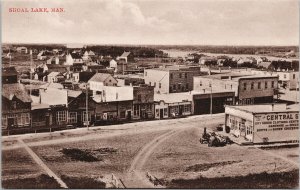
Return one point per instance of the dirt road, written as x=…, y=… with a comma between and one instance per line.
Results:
x=43, y=165
x=81, y=134
x=136, y=177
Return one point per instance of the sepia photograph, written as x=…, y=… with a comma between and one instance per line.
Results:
x=142, y=94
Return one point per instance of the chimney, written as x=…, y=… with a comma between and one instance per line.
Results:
x=203, y=90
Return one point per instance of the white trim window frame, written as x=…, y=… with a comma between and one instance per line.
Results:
x=61, y=116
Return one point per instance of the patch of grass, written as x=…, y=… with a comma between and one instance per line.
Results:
x=80, y=155
x=207, y=166
x=280, y=180
x=82, y=182
x=106, y=150
x=292, y=155
x=41, y=182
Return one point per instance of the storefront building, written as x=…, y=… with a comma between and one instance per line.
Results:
x=263, y=124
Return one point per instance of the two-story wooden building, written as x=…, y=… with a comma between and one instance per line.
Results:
x=143, y=102
x=171, y=79
x=16, y=106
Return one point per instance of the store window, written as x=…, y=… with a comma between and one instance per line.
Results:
x=98, y=116
x=187, y=108
x=122, y=114
x=157, y=113
x=166, y=112
x=61, y=116
x=136, y=110
x=72, y=117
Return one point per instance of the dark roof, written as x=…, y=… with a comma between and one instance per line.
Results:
x=125, y=54
x=100, y=77
x=9, y=71
x=17, y=90
x=76, y=56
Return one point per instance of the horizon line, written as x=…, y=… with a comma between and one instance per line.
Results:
x=124, y=44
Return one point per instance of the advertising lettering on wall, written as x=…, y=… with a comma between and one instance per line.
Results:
x=276, y=121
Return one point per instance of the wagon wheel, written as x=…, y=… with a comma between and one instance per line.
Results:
x=201, y=140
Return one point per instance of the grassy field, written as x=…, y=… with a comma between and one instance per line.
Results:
x=179, y=161
x=183, y=158
x=19, y=171
x=116, y=162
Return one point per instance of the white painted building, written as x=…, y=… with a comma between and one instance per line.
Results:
x=265, y=123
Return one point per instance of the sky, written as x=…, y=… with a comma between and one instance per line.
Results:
x=155, y=22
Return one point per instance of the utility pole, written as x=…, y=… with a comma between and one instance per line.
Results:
x=87, y=108
x=9, y=57
x=210, y=85
x=30, y=72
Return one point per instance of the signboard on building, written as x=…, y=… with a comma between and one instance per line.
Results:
x=276, y=121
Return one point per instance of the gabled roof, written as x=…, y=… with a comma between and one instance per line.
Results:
x=86, y=53
x=113, y=61
x=125, y=54
x=74, y=93
x=41, y=53
x=100, y=77
x=53, y=74
x=17, y=90
x=52, y=85
x=91, y=53
x=9, y=71
x=75, y=56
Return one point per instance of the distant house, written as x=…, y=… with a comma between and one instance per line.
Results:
x=86, y=56
x=113, y=64
x=42, y=55
x=42, y=68
x=91, y=53
x=73, y=58
x=93, y=68
x=55, y=77
x=119, y=66
x=77, y=67
x=22, y=49
x=16, y=106
x=53, y=60
x=57, y=68
x=102, y=79
x=127, y=56
x=9, y=75
x=208, y=60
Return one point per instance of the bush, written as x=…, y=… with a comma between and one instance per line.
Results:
x=80, y=155
x=82, y=182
